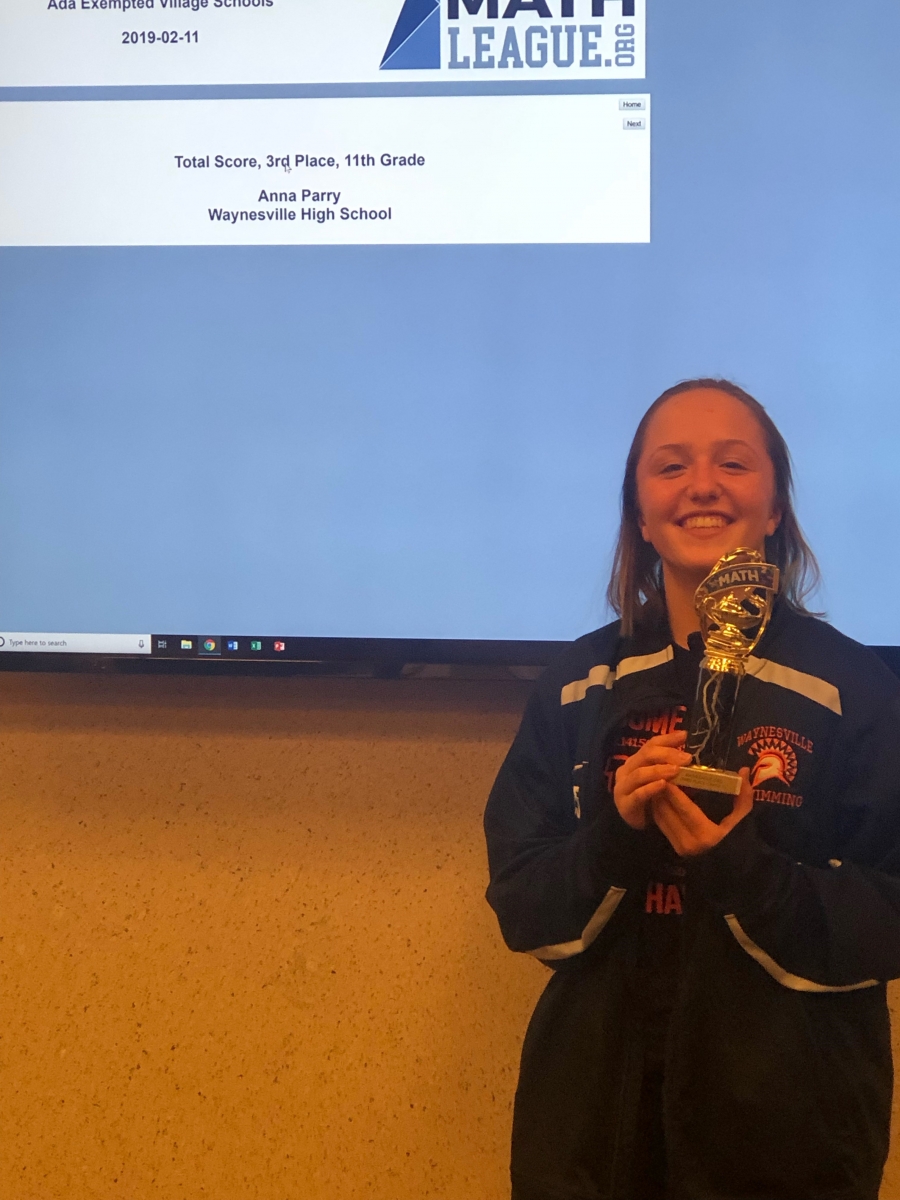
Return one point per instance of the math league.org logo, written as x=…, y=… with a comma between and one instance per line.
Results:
x=415, y=44
x=516, y=34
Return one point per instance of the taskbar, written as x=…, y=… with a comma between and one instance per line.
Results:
x=136, y=651
x=389, y=652
x=185, y=646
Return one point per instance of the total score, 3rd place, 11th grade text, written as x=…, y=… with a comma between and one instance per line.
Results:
x=289, y=162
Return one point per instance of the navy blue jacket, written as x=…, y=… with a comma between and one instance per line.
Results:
x=778, y=1076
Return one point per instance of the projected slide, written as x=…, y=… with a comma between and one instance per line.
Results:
x=94, y=42
x=386, y=170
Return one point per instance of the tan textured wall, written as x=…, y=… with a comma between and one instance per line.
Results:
x=244, y=949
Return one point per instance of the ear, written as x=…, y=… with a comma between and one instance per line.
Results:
x=774, y=521
x=642, y=527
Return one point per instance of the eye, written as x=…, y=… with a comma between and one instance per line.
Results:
x=671, y=468
x=734, y=464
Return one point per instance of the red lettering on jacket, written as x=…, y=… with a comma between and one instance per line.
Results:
x=776, y=731
x=655, y=724
x=663, y=898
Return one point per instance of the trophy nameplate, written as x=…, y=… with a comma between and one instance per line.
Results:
x=708, y=779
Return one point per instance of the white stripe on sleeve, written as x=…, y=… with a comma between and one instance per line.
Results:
x=818, y=690
x=795, y=982
x=644, y=662
x=588, y=934
x=598, y=676
x=603, y=675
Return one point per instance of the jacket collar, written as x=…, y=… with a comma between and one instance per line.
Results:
x=654, y=635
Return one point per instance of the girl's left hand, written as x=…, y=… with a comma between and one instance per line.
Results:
x=687, y=827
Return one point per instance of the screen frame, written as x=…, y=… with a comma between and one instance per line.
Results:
x=376, y=658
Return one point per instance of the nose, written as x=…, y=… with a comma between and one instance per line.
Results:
x=703, y=485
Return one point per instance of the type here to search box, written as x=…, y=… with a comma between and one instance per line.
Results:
x=75, y=643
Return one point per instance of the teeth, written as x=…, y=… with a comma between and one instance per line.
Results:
x=704, y=522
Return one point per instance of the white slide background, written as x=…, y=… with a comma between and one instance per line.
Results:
x=282, y=42
x=497, y=169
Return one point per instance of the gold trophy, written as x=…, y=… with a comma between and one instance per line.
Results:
x=734, y=603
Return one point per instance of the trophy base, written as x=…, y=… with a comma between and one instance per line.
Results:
x=709, y=779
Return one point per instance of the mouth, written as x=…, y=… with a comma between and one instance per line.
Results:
x=704, y=520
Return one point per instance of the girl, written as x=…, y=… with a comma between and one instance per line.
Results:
x=716, y=1026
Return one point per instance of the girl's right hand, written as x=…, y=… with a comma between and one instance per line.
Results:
x=645, y=773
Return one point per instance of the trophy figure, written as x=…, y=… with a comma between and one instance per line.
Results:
x=734, y=603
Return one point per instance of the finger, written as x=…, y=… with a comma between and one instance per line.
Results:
x=660, y=757
x=745, y=799
x=647, y=791
x=682, y=805
x=659, y=754
x=644, y=775
x=687, y=839
x=668, y=824
x=632, y=774
x=633, y=806
x=743, y=804
x=666, y=739
x=689, y=816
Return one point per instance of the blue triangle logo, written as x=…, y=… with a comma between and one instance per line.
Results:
x=415, y=44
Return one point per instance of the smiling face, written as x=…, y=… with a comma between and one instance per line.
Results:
x=705, y=482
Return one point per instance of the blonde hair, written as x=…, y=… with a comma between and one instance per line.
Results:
x=636, y=590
